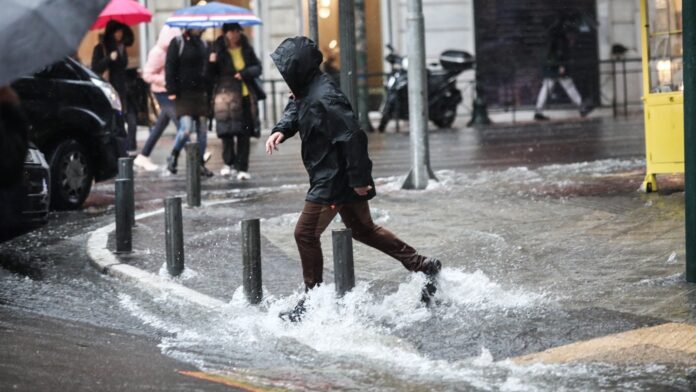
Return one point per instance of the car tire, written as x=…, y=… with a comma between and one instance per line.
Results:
x=71, y=175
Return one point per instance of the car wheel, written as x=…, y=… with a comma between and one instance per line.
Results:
x=71, y=175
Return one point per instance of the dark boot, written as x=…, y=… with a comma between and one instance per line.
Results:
x=172, y=162
x=205, y=172
x=294, y=315
x=431, y=268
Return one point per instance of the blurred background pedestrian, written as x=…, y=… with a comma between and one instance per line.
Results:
x=233, y=69
x=187, y=85
x=154, y=74
x=110, y=60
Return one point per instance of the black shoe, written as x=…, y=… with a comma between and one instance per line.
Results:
x=205, y=172
x=294, y=315
x=540, y=117
x=171, y=163
x=431, y=267
x=585, y=110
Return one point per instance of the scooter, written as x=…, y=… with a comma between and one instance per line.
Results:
x=443, y=94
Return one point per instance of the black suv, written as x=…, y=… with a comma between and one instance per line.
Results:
x=76, y=120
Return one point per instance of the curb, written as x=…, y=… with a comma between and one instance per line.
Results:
x=106, y=263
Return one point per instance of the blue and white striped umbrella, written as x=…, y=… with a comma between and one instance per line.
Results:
x=212, y=14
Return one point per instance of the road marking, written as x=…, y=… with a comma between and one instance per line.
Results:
x=228, y=381
x=671, y=343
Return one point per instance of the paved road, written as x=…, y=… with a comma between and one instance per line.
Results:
x=64, y=327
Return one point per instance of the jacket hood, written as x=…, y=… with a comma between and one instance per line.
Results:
x=111, y=27
x=166, y=35
x=298, y=60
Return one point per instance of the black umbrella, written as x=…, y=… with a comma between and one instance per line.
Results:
x=36, y=33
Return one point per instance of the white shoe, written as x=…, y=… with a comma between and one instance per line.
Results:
x=226, y=170
x=145, y=163
x=243, y=176
x=206, y=156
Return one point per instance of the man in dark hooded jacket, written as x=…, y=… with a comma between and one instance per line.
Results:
x=334, y=152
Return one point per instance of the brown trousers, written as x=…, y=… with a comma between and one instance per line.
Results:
x=356, y=216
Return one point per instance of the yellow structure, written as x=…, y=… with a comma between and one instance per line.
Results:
x=663, y=88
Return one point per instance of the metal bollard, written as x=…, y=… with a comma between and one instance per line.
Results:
x=251, y=255
x=193, y=175
x=124, y=234
x=344, y=274
x=174, y=235
x=125, y=171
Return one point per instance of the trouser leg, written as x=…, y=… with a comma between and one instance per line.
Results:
x=201, y=136
x=546, y=86
x=242, y=158
x=165, y=115
x=132, y=124
x=569, y=87
x=356, y=216
x=183, y=133
x=228, y=155
x=312, y=222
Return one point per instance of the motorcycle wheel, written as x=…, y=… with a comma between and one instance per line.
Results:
x=446, y=119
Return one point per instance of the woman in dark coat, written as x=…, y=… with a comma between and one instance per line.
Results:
x=233, y=68
x=187, y=85
x=109, y=59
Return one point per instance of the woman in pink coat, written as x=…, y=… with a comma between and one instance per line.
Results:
x=153, y=73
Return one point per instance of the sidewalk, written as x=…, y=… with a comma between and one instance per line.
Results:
x=543, y=235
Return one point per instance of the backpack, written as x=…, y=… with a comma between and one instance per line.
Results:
x=181, y=42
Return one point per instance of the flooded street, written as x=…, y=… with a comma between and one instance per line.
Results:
x=537, y=255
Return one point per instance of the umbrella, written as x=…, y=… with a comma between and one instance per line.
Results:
x=128, y=12
x=213, y=14
x=35, y=33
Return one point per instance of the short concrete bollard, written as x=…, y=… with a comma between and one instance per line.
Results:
x=124, y=234
x=125, y=171
x=174, y=235
x=344, y=274
x=193, y=175
x=251, y=255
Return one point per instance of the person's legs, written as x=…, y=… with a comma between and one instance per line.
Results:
x=573, y=94
x=131, y=124
x=182, y=136
x=313, y=221
x=356, y=216
x=166, y=114
x=546, y=86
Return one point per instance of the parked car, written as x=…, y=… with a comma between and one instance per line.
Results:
x=76, y=121
x=26, y=205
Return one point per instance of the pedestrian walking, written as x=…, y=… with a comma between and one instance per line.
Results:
x=154, y=74
x=110, y=59
x=334, y=152
x=187, y=85
x=556, y=69
x=234, y=68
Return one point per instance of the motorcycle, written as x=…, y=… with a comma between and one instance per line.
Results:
x=443, y=94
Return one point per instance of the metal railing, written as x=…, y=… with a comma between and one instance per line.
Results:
x=620, y=73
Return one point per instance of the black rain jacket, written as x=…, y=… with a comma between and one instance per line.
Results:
x=334, y=148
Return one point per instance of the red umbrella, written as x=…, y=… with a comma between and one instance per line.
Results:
x=128, y=12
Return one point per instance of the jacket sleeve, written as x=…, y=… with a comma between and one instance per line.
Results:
x=351, y=141
x=100, y=61
x=288, y=123
x=171, y=65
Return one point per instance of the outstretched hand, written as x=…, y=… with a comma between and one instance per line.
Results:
x=273, y=141
x=363, y=190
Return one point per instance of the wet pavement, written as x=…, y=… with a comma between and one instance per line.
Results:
x=540, y=251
